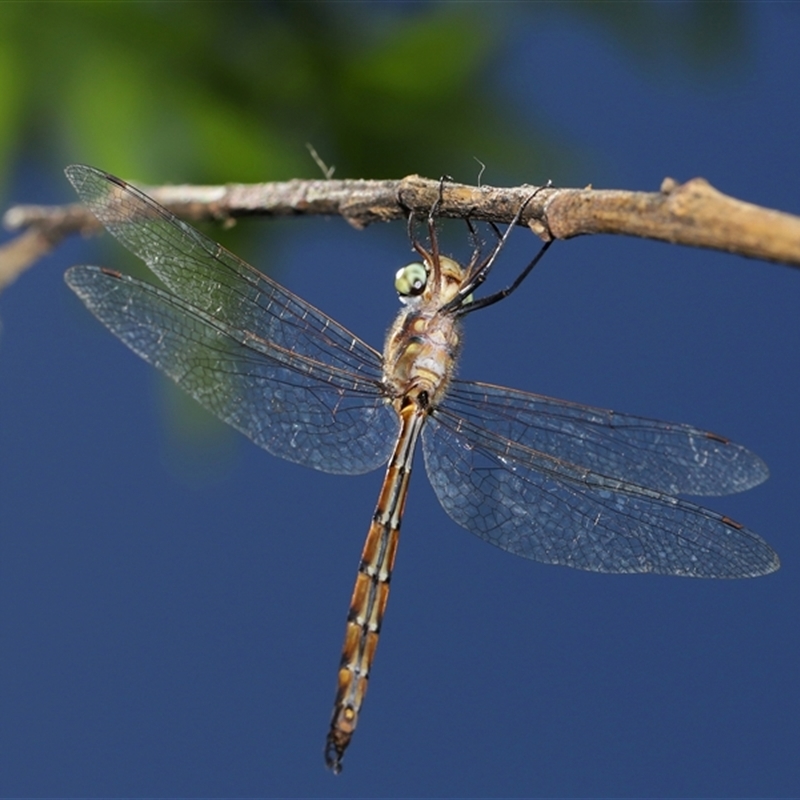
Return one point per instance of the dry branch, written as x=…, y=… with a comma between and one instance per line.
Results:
x=693, y=213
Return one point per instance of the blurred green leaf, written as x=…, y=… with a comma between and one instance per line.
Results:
x=11, y=99
x=214, y=92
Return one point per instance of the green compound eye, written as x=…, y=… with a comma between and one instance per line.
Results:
x=410, y=280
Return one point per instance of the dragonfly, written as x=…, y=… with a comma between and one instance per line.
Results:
x=545, y=479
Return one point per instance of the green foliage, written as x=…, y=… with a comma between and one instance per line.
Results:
x=212, y=92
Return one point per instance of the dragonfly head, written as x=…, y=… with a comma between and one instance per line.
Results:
x=436, y=284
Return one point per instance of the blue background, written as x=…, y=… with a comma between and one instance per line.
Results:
x=172, y=607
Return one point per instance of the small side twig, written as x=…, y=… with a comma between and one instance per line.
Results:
x=693, y=213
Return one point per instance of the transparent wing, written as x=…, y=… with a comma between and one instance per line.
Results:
x=670, y=457
x=546, y=509
x=214, y=280
x=328, y=415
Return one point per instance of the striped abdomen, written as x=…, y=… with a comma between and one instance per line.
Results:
x=371, y=591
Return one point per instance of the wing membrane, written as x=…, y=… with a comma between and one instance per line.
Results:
x=546, y=509
x=215, y=281
x=297, y=408
x=671, y=457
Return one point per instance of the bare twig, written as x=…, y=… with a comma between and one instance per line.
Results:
x=693, y=213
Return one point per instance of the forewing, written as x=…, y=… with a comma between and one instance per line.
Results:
x=546, y=509
x=670, y=457
x=215, y=281
x=298, y=408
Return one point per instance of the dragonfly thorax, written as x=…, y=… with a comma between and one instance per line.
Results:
x=422, y=345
